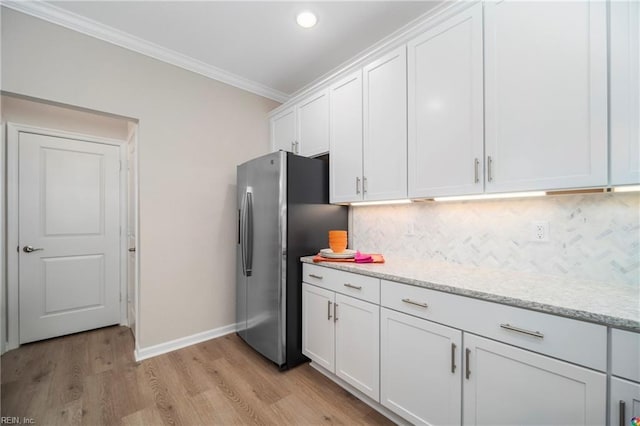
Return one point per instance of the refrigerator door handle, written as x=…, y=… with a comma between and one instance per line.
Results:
x=242, y=241
x=249, y=232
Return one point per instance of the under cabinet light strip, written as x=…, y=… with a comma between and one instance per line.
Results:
x=629, y=188
x=492, y=196
x=380, y=203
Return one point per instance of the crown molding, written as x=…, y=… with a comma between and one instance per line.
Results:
x=81, y=24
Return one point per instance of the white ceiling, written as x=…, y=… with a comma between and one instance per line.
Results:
x=257, y=41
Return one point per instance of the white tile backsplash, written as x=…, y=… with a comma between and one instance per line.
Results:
x=591, y=236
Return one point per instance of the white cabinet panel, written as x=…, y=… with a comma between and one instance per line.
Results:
x=385, y=127
x=420, y=369
x=445, y=96
x=625, y=402
x=283, y=130
x=545, y=95
x=625, y=92
x=358, y=344
x=625, y=354
x=508, y=386
x=313, y=124
x=345, y=141
x=318, y=331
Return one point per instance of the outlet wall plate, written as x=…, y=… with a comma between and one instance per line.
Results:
x=540, y=231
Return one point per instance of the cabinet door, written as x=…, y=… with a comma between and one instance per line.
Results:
x=420, y=369
x=283, y=130
x=385, y=127
x=318, y=331
x=345, y=142
x=625, y=92
x=313, y=124
x=545, y=95
x=625, y=401
x=625, y=354
x=446, y=108
x=506, y=385
x=358, y=344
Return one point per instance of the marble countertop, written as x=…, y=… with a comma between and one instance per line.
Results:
x=612, y=304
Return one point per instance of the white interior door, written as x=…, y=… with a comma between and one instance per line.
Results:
x=69, y=221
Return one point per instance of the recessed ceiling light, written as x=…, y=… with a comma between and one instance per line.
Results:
x=306, y=19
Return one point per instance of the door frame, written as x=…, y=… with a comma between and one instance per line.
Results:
x=13, y=283
x=132, y=165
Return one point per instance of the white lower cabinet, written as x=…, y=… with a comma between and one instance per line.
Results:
x=435, y=358
x=420, y=369
x=341, y=334
x=625, y=380
x=318, y=331
x=625, y=401
x=504, y=385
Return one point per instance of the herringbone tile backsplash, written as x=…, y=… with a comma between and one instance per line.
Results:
x=591, y=236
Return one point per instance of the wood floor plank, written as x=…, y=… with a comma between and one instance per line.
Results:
x=92, y=379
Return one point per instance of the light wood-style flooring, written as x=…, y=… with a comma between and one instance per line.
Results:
x=91, y=378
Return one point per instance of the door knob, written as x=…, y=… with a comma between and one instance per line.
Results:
x=29, y=249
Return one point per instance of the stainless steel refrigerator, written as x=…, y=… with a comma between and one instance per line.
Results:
x=283, y=214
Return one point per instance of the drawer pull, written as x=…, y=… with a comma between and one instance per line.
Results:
x=453, y=357
x=357, y=287
x=523, y=331
x=315, y=276
x=622, y=413
x=413, y=302
x=467, y=367
x=329, y=309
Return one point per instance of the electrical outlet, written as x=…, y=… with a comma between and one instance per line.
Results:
x=540, y=231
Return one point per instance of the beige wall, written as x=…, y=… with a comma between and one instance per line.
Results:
x=192, y=133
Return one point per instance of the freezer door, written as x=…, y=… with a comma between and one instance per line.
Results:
x=266, y=226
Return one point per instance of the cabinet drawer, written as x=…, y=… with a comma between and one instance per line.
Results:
x=625, y=354
x=355, y=285
x=575, y=341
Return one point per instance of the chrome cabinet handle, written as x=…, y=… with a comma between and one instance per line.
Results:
x=522, y=330
x=293, y=147
x=335, y=312
x=453, y=357
x=132, y=249
x=364, y=185
x=413, y=302
x=357, y=287
x=622, y=408
x=329, y=309
x=30, y=249
x=297, y=151
x=315, y=276
x=476, y=166
x=467, y=356
x=489, y=169
x=357, y=184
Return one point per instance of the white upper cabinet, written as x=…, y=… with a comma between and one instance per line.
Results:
x=283, y=130
x=345, y=141
x=625, y=92
x=445, y=129
x=313, y=124
x=545, y=95
x=385, y=127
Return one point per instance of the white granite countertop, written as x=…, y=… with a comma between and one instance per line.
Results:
x=612, y=304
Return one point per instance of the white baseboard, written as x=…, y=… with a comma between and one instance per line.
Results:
x=183, y=342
